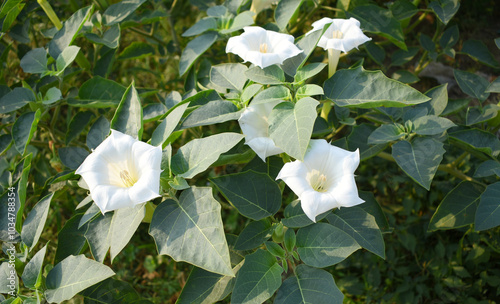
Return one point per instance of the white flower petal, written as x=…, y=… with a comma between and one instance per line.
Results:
x=346, y=192
x=147, y=187
x=293, y=174
x=109, y=198
x=146, y=157
x=314, y=203
x=352, y=36
x=264, y=147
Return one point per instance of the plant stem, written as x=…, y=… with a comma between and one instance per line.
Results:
x=333, y=61
x=47, y=8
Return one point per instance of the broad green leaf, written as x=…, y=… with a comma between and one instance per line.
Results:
x=125, y=223
x=373, y=207
x=275, y=249
x=71, y=239
x=431, y=125
x=271, y=75
x=72, y=157
x=35, y=221
x=291, y=125
x=23, y=130
x=117, y=12
x=271, y=167
x=198, y=154
x=16, y=99
x=403, y=9
x=258, y=278
x=65, y=58
x=480, y=115
x=205, y=24
x=309, y=71
x=254, y=235
x=296, y=218
x=32, y=273
x=445, y=9
x=111, y=291
x=488, y=210
x=378, y=20
x=309, y=285
x=419, y=159
x=272, y=94
x=401, y=57
x=52, y=95
x=5, y=142
x=358, y=139
x=250, y=92
x=477, y=50
x=98, y=132
x=194, y=49
x=168, y=125
x=376, y=52
x=99, y=92
x=488, y=168
x=153, y=111
x=7, y=6
x=190, y=229
x=92, y=212
x=24, y=167
x=110, y=38
x=5, y=279
x=239, y=22
x=128, y=115
x=67, y=34
x=321, y=245
x=63, y=285
x=290, y=240
x=136, y=50
x=472, y=84
x=98, y=236
x=307, y=44
x=216, y=111
x=361, y=226
x=458, y=207
x=405, y=76
x=229, y=75
x=385, y=134
x=77, y=124
x=455, y=105
x=478, y=140
x=254, y=194
x=284, y=12
x=438, y=102
x=449, y=37
x=427, y=43
x=217, y=11
x=309, y=90
x=369, y=89
x=494, y=87
x=35, y=61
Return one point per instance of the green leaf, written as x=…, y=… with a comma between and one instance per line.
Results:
x=35, y=221
x=168, y=125
x=438, y=102
x=403, y=9
x=284, y=12
x=373, y=207
x=216, y=111
x=217, y=11
x=10, y=9
x=309, y=71
x=198, y=154
x=272, y=94
x=5, y=142
x=321, y=245
x=307, y=44
x=254, y=235
x=431, y=125
x=488, y=168
x=358, y=139
x=361, y=226
x=78, y=123
x=72, y=157
x=250, y=92
x=67, y=34
x=23, y=130
x=472, y=84
x=32, y=273
x=291, y=125
x=445, y=9
x=405, y=76
x=99, y=92
x=309, y=90
x=385, y=134
x=205, y=24
x=477, y=50
x=6, y=277
x=254, y=194
x=190, y=229
x=125, y=223
x=229, y=75
x=52, y=95
x=376, y=52
x=65, y=58
x=128, y=115
x=494, y=87
x=488, y=210
x=136, y=50
x=309, y=285
x=290, y=240
x=111, y=291
x=449, y=37
x=239, y=22
x=71, y=239
x=16, y=99
x=478, y=140
x=480, y=115
x=271, y=75
x=110, y=38
x=62, y=284
x=419, y=159
x=98, y=132
x=401, y=57
x=35, y=61
x=118, y=12
x=258, y=278
x=458, y=207
x=296, y=218
x=98, y=236
x=369, y=89
x=378, y=20
x=194, y=49
x=275, y=249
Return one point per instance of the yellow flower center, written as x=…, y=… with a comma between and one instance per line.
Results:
x=127, y=180
x=337, y=35
x=317, y=180
x=263, y=48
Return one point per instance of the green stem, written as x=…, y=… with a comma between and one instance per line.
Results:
x=333, y=61
x=47, y=8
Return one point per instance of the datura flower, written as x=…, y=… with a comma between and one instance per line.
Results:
x=324, y=180
x=261, y=47
x=253, y=123
x=122, y=172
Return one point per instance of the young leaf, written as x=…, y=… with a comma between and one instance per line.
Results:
x=32, y=273
x=23, y=130
x=431, y=125
x=385, y=134
x=35, y=221
x=128, y=115
x=254, y=234
x=194, y=49
x=290, y=240
x=65, y=58
x=35, y=61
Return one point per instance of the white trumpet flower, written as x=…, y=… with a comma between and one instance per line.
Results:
x=324, y=180
x=261, y=47
x=253, y=122
x=122, y=172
